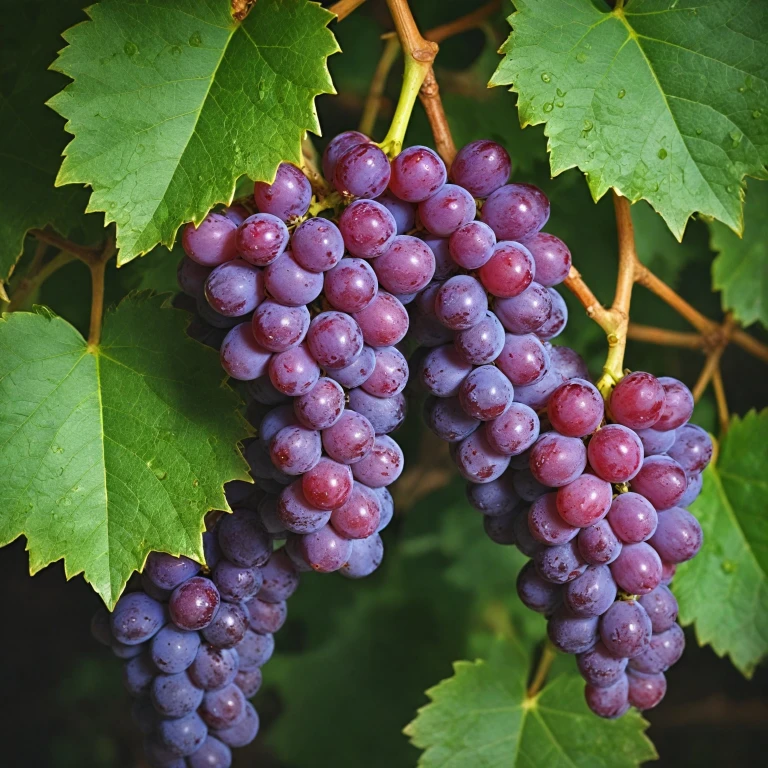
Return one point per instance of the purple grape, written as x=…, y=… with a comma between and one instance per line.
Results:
x=191, y=277
x=447, y=419
x=692, y=492
x=270, y=519
x=637, y=401
x=322, y=406
x=678, y=536
x=460, y=303
x=337, y=146
x=384, y=322
x=599, y=667
x=598, y=544
x=450, y=208
x=477, y=461
x=568, y=363
x=351, y=285
x=167, y=571
x=213, y=667
x=175, y=695
x=667, y=573
x=428, y=331
x=646, y=691
x=559, y=564
x=327, y=485
x=209, y=318
x=678, y=404
x=262, y=238
x=632, y=518
x=125, y=652
x=592, y=593
x=445, y=266
x=572, y=634
x=625, y=629
x=273, y=421
x=390, y=373
x=661, y=607
x=637, y=569
x=516, y=211
x=317, y=245
x=235, y=288
x=584, y=501
x=692, y=449
x=289, y=283
x=485, y=393
x=495, y=498
x=365, y=557
x=136, y=618
x=236, y=582
x=266, y=618
x=615, y=453
x=249, y=682
x=294, y=372
x=289, y=195
x=387, y=504
x=228, y=626
x=325, y=550
x=254, y=650
x=483, y=342
x=472, y=245
x=527, y=486
x=296, y=513
x=535, y=593
x=362, y=171
x=481, y=167
x=516, y=430
x=575, y=408
x=526, y=312
x=662, y=481
x=610, y=702
x=211, y=754
x=334, y=339
x=546, y=525
x=174, y=649
x=368, y=228
x=655, y=442
x=262, y=392
x=406, y=266
x=417, y=173
x=360, y=514
x=664, y=650
x=443, y=370
x=280, y=578
x=557, y=460
x=182, y=736
x=382, y=465
x=502, y=529
x=385, y=414
x=138, y=674
x=223, y=708
x=509, y=271
x=552, y=257
x=244, y=732
x=350, y=439
x=524, y=361
x=537, y=394
x=194, y=603
x=404, y=213
x=242, y=539
x=558, y=317
x=213, y=242
x=241, y=356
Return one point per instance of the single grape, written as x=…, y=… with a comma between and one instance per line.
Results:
x=654, y=441
x=138, y=674
x=384, y=322
x=350, y=439
x=325, y=550
x=632, y=518
x=294, y=372
x=495, y=498
x=678, y=536
x=241, y=356
x=584, y=501
x=211, y=754
x=535, y=593
x=184, y=735
x=274, y=420
x=417, y=173
x=460, y=303
x=516, y=430
x=125, y=652
x=662, y=481
x=637, y=401
x=167, y=571
x=637, y=569
x=249, y=682
x=280, y=578
x=443, y=370
x=223, y=708
x=477, y=461
x=625, y=628
x=598, y=544
x=568, y=363
x=382, y=465
x=360, y=514
x=228, y=626
x=242, y=539
x=254, y=650
x=610, y=702
x=481, y=167
x=523, y=360
x=387, y=504
x=368, y=228
x=334, y=339
x=450, y=208
x=557, y=460
x=472, y=245
x=527, y=486
x=357, y=372
x=213, y=667
x=266, y=618
x=244, y=732
x=664, y=650
x=270, y=519
x=559, y=564
x=317, y=245
x=485, y=393
x=692, y=448
x=406, y=266
x=136, y=618
x=646, y=691
x=537, y=394
x=572, y=634
x=483, y=342
x=385, y=414
x=667, y=572
x=262, y=238
x=295, y=450
x=362, y=171
x=445, y=266
x=552, y=257
x=509, y=271
x=327, y=485
x=545, y=523
x=516, y=211
x=390, y=373
x=191, y=277
x=194, y=603
x=526, y=312
x=592, y=593
x=337, y=146
x=615, y=453
x=175, y=695
x=365, y=557
x=295, y=512
x=678, y=404
x=322, y=406
x=502, y=529
x=447, y=419
x=599, y=667
x=276, y=327
x=287, y=282
x=289, y=195
x=213, y=242
x=692, y=492
x=236, y=582
x=575, y=408
x=404, y=213
x=557, y=320
x=661, y=607
x=351, y=285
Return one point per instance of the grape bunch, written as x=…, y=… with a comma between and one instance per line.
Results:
x=194, y=644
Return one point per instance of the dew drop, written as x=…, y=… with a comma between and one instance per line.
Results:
x=195, y=483
x=140, y=149
x=698, y=131
x=662, y=153
x=176, y=50
x=757, y=113
x=587, y=126
x=560, y=104
x=729, y=188
x=131, y=49
x=736, y=137
x=546, y=77
x=549, y=106
x=581, y=57
x=560, y=93
x=741, y=89
x=160, y=474
x=622, y=93
x=195, y=40
x=729, y=566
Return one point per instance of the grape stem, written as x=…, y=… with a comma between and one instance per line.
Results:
x=343, y=8
x=35, y=277
x=665, y=338
x=723, y=414
x=713, y=357
x=98, y=267
x=548, y=655
x=429, y=94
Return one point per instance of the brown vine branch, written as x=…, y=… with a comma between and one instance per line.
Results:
x=462, y=24
x=98, y=267
x=36, y=276
x=429, y=94
x=713, y=357
x=343, y=8
x=51, y=238
x=723, y=414
x=664, y=337
x=378, y=83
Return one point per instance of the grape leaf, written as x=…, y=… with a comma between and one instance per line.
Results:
x=723, y=591
x=741, y=269
x=109, y=453
x=661, y=101
x=171, y=103
x=483, y=717
x=32, y=136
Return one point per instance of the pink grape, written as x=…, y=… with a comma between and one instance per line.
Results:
x=632, y=518
x=241, y=356
x=317, y=245
x=584, y=501
x=678, y=404
x=450, y=208
x=637, y=569
x=350, y=439
x=417, y=173
x=592, y=593
x=625, y=629
x=552, y=257
x=213, y=242
x=557, y=460
x=327, y=485
x=662, y=481
x=523, y=360
x=390, y=373
x=598, y=544
x=485, y=393
x=362, y=171
x=615, y=453
x=294, y=372
x=472, y=245
x=509, y=271
x=291, y=284
x=637, y=401
x=334, y=339
x=194, y=603
x=368, y=228
x=325, y=550
x=322, y=406
x=289, y=195
x=692, y=448
x=337, y=146
x=516, y=211
x=516, y=430
x=359, y=516
x=599, y=667
x=546, y=525
x=483, y=342
x=460, y=302
x=357, y=372
x=557, y=320
x=575, y=408
x=526, y=312
x=351, y=285
x=277, y=327
x=384, y=322
x=235, y=288
x=262, y=238
x=646, y=691
x=406, y=266
x=443, y=370
x=678, y=536
x=296, y=513
x=481, y=167
x=295, y=450
x=610, y=702
x=382, y=465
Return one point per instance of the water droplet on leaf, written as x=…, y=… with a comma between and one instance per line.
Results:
x=160, y=474
x=560, y=104
x=662, y=153
x=549, y=106
x=581, y=57
x=757, y=113
x=176, y=50
x=587, y=126
x=195, y=40
x=546, y=77
x=131, y=49
x=622, y=93
x=698, y=131
x=736, y=137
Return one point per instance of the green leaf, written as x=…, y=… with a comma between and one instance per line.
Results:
x=723, y=591
x=170, y=104
x=109, y=453
x=32, y=136
x=483, y=717
x=661, y=101
x=741, y=269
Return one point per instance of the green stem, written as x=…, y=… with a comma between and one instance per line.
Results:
x=548, y=655
x=415, y=72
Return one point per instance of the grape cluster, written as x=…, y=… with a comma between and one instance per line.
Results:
x=194, y=645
